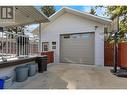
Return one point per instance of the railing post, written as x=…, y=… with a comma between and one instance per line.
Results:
x=40, y=44
x=10, y=41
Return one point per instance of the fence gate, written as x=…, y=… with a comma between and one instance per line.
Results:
x=108, y=54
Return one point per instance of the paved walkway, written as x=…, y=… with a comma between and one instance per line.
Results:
x=72, y=76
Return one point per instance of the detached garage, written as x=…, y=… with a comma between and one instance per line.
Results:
x=75, y=37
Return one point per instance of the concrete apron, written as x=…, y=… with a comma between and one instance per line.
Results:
x=72, y=76
x=86, y=77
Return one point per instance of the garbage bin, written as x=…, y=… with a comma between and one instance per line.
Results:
x=42, y=63
x=7, y=81
x=32, y=69
x=45, y=62
x=1, y=83
x=21, y=73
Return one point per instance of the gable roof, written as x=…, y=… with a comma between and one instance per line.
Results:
x=79, y=13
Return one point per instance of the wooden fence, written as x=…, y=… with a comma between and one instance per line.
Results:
x=123, y=55
x=109, y=54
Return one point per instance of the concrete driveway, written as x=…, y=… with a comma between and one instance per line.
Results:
x=72, y=76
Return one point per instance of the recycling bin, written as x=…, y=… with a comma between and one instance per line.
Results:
x=42, y=63
x=32, y=69
x=21, y=73
x=7, y=81
x=1, y=83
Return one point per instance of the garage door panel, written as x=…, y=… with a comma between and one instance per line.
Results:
x=74, y=60
x=77, y=48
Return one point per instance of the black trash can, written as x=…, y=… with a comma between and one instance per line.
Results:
x=42, y=63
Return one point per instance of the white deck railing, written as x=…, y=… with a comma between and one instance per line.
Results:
x=13, y=45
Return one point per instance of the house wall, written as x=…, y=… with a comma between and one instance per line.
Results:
x=69, y=23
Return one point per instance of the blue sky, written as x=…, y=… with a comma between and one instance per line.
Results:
x=99, y=11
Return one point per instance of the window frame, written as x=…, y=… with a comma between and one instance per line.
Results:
x=43, y=48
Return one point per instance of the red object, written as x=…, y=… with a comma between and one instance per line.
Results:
x=108, y=54
x=123, y=55
x=50, y=55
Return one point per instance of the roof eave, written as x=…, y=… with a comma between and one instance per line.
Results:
x=66, y=9
x=39, y=17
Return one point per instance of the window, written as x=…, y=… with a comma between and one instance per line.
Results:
x=1, y=29
x=85, y=36
x=53, y=43
x=45, y=46
x=79, y=36
x=105, y=30
x=66, y=36
x=76, y=36
x=53, y=47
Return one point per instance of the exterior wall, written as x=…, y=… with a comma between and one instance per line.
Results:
x=69, y=23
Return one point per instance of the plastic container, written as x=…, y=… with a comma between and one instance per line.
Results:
x=21, y=73
x=32, y=69
x=1, y=83
x=7, y=81
x=42, y=63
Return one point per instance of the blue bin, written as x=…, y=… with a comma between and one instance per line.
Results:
x=7, y=81
x=21, y=73
x=32, y=69
x=1, y=83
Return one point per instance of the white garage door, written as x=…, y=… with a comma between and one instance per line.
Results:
x=77, y=48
